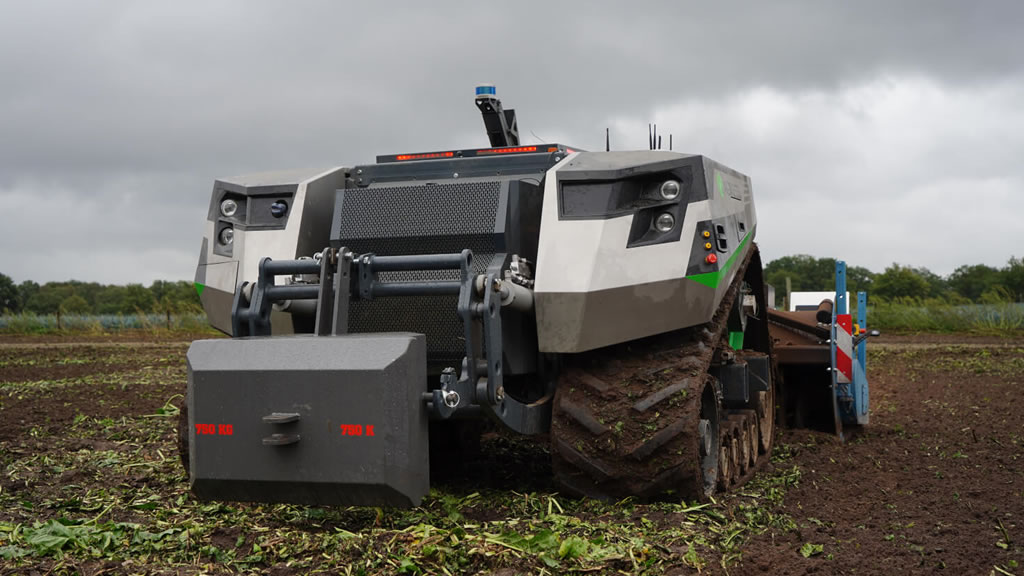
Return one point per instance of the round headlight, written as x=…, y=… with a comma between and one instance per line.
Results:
x=664, y=222
x=228, y=207
x=670, y=190
x=227, y=236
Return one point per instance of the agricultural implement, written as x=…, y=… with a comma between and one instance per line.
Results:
x=612, y=303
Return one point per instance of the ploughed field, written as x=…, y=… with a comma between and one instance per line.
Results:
x=90, y=483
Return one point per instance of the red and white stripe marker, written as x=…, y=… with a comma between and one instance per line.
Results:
x=844, y=348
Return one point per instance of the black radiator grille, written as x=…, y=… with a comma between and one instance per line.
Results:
x=422, y=219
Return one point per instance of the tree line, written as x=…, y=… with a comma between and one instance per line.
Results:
x=74, y=297
x=969, y=283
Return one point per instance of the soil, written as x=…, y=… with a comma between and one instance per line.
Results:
x=935, y=483
x=114, y=380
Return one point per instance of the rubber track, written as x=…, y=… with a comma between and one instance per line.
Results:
x=625, y=417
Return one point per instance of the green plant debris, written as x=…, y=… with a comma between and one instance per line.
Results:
x=809, y=549
x=103, y=483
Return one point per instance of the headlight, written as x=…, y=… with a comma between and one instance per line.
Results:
x=594, y=199
x=227, y=236
x=670, y=190
x=665, y=222
x=228, y=207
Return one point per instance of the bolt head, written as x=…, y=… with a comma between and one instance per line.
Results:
x=451, y=398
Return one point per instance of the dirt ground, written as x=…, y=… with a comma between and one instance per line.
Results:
x=90, y=484
x=935, y=484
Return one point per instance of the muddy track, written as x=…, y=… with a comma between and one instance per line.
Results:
x=627, y=418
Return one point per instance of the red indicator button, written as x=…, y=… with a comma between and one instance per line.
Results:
x=711, y=259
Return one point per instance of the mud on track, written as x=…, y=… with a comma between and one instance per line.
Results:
x=89, y=484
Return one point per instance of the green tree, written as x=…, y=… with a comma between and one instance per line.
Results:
x=109, y=300
x=805, y=272
x=88, y=290
x=937, y=285
x=75, y=304
x=160, y=289
x=26, y=290
x=859, y=278
x=1012, y=277
x=900, y=282
x=47, y=300
x=808, y=273
x=971, y=281
x=136, y=299
x=9, y=300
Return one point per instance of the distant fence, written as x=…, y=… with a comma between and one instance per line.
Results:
x=48, y=323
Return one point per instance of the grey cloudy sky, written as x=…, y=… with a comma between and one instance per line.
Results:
x=876, y=132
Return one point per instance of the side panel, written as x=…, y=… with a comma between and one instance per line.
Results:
x=597, y=286
x=256, y=234
x=314, y=420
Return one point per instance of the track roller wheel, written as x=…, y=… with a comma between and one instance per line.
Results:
x=765, y=420
x=753, y=438
x=725, y=464
x=736, y=474
x=707, y=433
x=749, y=436
x=740, y=432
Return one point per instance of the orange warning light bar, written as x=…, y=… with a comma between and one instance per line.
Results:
x=512, y=150
x=427, y=156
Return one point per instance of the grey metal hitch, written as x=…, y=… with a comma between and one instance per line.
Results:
x=344, y=276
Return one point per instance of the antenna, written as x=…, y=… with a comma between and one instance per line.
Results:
x=650, y=137
x=670, y=141
x=659, y=142
x=607, y=141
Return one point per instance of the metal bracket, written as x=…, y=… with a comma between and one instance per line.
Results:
x=281, y=418
x=281, y=439
x=444, y=401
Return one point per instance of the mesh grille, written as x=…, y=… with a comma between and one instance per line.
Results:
x=434, y=219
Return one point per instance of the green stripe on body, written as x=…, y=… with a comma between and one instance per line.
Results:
x=712, y=279
x=199, y=288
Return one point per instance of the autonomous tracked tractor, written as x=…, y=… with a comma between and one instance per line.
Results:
x=613, y=301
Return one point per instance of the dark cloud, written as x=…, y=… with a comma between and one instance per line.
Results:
x=138, y=106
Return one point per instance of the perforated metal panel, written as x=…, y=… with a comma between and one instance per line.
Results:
x=421, y=219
